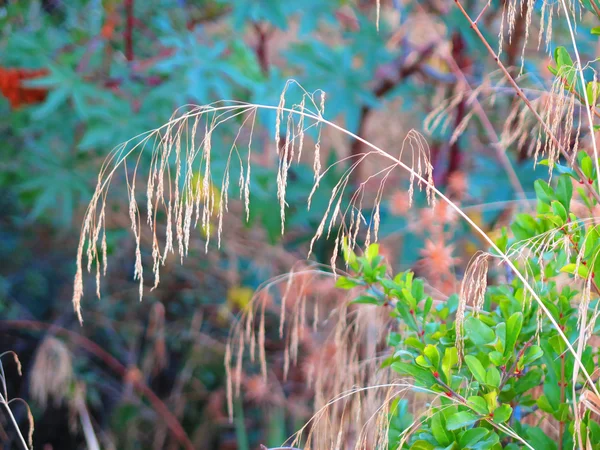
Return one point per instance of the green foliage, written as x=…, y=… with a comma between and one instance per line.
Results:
x=511, y=359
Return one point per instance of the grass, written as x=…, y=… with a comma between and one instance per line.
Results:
x=186, y=203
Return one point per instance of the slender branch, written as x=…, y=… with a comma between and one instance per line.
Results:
x=582, y=80
x=507, y=374
x=487, y=124
x=384, y=86
x=262, y=53
x=129, y=30
x=595, y=6
x=521, y=94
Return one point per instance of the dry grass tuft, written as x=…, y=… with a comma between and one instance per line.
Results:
x=472, y=293
x=343, y=345
x=52, y=372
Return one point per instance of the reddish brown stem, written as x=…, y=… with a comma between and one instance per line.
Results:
x=142, y=388
x=384, y=86
x=455, y=157
x=262, y=53
x=506, y=375
x=129, y=30
x=564, y=151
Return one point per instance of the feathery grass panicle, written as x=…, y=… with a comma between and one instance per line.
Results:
x=180, y=182
x=472, y=293
x=52, y=357
x=181, y=205
x=221, y=112
x=342, y=353
x=514, y=10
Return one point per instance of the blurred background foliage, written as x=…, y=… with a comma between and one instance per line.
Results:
x=78, y=77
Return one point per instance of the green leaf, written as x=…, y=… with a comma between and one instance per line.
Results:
x=471, y=437
x=371, y=252
x=492, y=377
x=365, y=300
x=532, y=354
x=422, y=445
x=418, y=290
x=513, y=329
x=423, y=362
x=496, y=358
x=432, y=353
x=501, y=335
x=502, y=413
x=564, y=191
x=412, y=341
x=461, y=420
x=427, y=307
x=346, y=283
x=476, y=368
x=478, y=404
x=449, y=360
x=421, y=375
x=349, y=255
x=560, y=211
x=528, y=381
x=544, y=404
x=54, y=100
x=576, y=269
x=539, y=439
x=562, y=57
x=587, y=166
x=491, y=399
x=439, y=429
x=478, y=332
x=595, y=31
x=592, y=91
x=558, y=344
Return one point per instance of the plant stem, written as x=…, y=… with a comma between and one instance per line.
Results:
x=129, y=30
x=507, y=374
x=451, y=391
x=561, y=424
x=262, y=53
x=4, y=401
x=521, y=94
x=240, y=428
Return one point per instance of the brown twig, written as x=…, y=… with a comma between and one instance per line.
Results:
x=455, y=158
x=262, y=53
x=521, y=94
x=385, y=85
x=595, y=6
x=507, y=374
x=129, y=30
x=157, y=404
